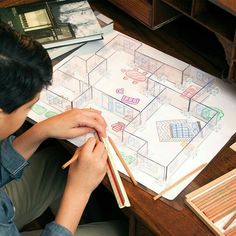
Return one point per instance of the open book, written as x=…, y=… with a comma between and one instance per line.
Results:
x=55, y=23
x=106, y=24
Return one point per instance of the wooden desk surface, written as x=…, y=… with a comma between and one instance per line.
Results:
x=174, y=218
x=162, y=217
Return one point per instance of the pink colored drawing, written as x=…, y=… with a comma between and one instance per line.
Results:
x=128, y=117
x=117, y=127
x=120, y=90
x=130, y=100
x=134, y=75
x=190, y=91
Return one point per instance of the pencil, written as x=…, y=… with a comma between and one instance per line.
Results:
x=224, y=213
x=76, y=154
x=221, y=191
x=230, y=221
x=122, y=161
x=73, y=158
x=179, y=181
x=226, y=204
x=217, y=190
x=221, y=199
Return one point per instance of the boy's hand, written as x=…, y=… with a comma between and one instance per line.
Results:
x=73, y=123
x=89, y=169
x=84, y=176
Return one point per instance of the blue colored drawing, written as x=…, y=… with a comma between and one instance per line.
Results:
x=185, y=130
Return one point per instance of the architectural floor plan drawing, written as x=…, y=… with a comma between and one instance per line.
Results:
x=155, y=106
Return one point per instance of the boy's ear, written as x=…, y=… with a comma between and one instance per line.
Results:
x=3, y=116
x=1, y=112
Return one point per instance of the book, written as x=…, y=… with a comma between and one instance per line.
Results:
x=106, y=24
x=55, y=23
x=58, y=51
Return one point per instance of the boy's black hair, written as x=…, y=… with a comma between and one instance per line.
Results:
x=25, y=68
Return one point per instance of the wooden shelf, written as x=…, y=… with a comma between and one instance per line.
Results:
x=184, y=6
x=217, y=20
x=218, y=16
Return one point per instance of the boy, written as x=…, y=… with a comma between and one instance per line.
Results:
x=25, y=69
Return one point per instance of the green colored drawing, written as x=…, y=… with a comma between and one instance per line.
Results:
x=50, y=114
x=128, y=158
x=207, y=113
x=38, y=109
x=220, y=113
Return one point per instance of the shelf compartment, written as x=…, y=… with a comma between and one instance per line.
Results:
x=141, y=10
x=215, y=19
x=184, y=6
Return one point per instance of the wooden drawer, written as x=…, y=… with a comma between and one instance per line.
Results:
x=141, y=9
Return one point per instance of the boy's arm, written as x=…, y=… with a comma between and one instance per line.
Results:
x=83, y=177
x=70, y=124
x=27, y=143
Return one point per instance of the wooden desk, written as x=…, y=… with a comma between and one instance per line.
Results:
x=174, y=218
x=162, y=217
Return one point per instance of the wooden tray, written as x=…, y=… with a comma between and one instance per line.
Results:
x=215, y=204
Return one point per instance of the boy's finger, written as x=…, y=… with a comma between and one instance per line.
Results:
x=92, y=123
x=89, y=145
x=95, y=115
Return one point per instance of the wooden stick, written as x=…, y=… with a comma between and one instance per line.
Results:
x=179, y=181
x=224, y=213
x=73, y=158
x=76, y=155
x=114, y=177
x=226, y=204
x=230, y=221
x=214, y=204
x=223, y=191
x=219, y=189
x=123, y=161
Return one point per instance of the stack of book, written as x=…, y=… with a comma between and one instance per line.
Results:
x=60, y=25
x=106, y=25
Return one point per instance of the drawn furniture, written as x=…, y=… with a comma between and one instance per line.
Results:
x=218, y=16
